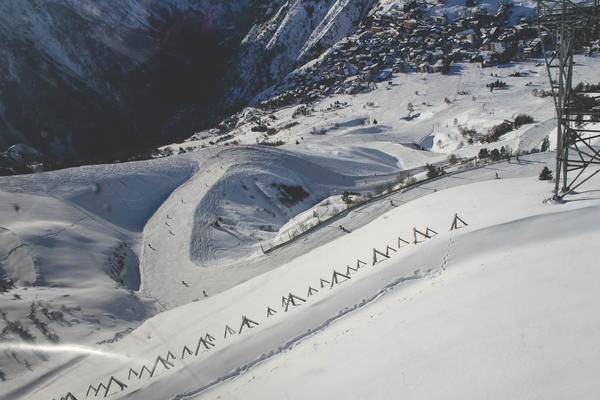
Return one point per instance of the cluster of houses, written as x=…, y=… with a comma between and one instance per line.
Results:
x=413, y=38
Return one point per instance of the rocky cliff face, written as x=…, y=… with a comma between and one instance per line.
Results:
x=297, y=32
x=90, y=80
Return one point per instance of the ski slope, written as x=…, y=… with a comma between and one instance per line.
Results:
x=222, y=214
x=497, y=309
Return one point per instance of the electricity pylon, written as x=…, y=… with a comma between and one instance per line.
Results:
x=567, y=25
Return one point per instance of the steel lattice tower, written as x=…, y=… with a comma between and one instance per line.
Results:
x=567, y=25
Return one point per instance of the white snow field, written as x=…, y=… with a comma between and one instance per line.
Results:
x=507, y=312
x=136, y=259
x=332, y=127
x=502, y=308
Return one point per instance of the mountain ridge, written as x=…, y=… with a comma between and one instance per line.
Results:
x=93, y=82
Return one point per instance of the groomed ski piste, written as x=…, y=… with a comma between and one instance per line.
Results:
x=117, y=265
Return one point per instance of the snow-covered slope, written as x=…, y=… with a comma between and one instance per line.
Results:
x=105, y=268
x=98, y=250
x=69, y=245
x=507, y=312
x=210, y=227
x=445, y=107
x=498, y=299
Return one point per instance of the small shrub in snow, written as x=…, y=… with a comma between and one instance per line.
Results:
x=466, y=132
x=222, y=138
x=291, y=195
x=411, y=181
x=259, y=128
x=545, y=144
x=6, y=285
x=545, y=175
x=497, y=84
x=541, y=93
x=57, y=316
x=498, y=131
x=433, y=171
x=522, y=119
x=166, y=152
x=400, y=181
x=347, y=197
x=495, y=155
x=290, y=125
x=587, y=87
x=41, y=325
x=483, y=153
x=379, y=189
x=16, y=328
x=303, y=110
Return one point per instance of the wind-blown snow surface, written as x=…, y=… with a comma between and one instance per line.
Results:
x=497, y=309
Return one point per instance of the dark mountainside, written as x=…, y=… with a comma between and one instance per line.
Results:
x=86, y=82
x=110, y=88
